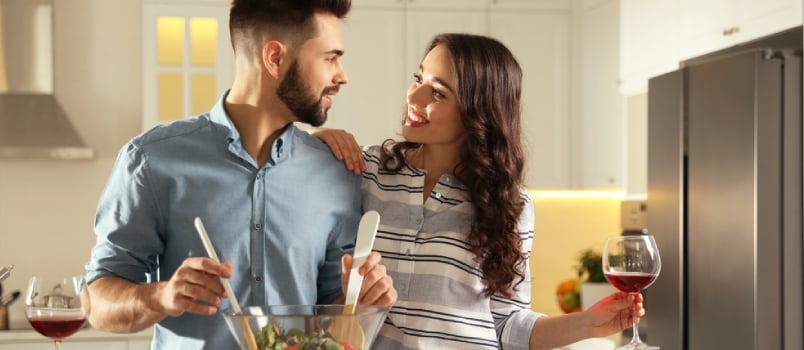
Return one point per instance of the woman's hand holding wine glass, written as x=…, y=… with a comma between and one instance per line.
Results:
x=631, y=264
x=54, y=306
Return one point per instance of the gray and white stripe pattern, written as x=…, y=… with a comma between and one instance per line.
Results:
x=424, y=247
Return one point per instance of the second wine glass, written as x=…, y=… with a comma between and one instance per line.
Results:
x=53, y=306
x=631, y=264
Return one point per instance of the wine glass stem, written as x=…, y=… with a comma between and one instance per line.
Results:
x=635, y=337
x=635, y=329
x=58, y=344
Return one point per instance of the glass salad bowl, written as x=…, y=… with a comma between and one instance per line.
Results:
x=306, y=327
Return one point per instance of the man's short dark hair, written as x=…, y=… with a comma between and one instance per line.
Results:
x=290, y=21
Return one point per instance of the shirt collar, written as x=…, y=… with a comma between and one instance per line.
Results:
x=219, y=116
x=281, y=148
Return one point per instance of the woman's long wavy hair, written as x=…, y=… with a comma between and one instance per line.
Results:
x=492, y=160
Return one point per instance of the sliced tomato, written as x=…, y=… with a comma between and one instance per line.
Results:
x=345, y=345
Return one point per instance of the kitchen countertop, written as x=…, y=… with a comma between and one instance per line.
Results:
x=591, y=344
x=86, y=333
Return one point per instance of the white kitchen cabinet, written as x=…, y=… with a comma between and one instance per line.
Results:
x=649, y=42
x=187, y=58
x=385, y=41
x=440, y=5
x=560, y=6
x=599, y=123
x=708, y=26
x=371, y=104
x=541, y=42
x=425, y=19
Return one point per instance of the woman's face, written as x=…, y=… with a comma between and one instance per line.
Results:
x=433, y=115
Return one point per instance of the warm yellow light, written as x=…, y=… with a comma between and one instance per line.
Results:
x=171, y=96
x=203, y=41
x=577, y=194
x=202, y=92
x=170, y=40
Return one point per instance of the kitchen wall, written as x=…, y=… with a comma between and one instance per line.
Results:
x=47, y=207
x=564, y=227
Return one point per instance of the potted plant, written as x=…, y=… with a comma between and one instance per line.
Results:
x=594, y=285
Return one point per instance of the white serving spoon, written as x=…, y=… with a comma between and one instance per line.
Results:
x=251, y=343
x=347, y=328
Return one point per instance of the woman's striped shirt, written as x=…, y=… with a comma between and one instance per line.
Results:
x=441, y=304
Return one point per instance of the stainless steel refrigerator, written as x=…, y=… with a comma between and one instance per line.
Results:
x=725, y=203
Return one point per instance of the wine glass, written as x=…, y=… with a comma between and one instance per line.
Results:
x=631, y=264
x=53, y=306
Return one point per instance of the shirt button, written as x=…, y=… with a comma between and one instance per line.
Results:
x=257, y=226
x=407, y=251
x=418, y=221
x=438, y=194
x=447, y=179
x=403, y=287
x=259, y=278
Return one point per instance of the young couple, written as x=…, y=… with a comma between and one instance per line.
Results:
x=456, y=225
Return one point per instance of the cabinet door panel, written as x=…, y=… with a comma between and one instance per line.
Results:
x=530, y=5
x=756, y=19
x=170, y=85
x=422, y=25
x=544, y=54
x=599, y=131
x=702, y=25
x=447, y=4
x=371, y=105
x=649, y=42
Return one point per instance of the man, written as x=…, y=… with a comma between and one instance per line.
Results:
x=280, y=210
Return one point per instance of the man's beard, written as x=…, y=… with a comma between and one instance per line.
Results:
x=296, y=95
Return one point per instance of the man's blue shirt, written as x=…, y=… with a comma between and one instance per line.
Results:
x=283, y=226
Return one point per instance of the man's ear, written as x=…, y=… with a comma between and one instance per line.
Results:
x=273, y=55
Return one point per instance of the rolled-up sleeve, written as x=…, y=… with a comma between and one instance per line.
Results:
x=513, y=317
x=126, y=222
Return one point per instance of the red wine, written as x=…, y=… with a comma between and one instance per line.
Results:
x=57, y=327
x=630, y=281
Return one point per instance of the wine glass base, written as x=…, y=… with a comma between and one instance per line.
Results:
x=641, y=346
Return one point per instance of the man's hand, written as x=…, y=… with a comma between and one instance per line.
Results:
x=378, y=287
x=195, y=288
x=121, y=306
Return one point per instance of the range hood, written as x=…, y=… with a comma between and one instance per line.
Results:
x=32, y=123
x=34, y=126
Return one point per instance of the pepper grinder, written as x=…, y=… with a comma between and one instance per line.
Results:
x=4, y=273
x=3, y=313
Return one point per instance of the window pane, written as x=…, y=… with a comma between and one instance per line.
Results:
x=203, y=92
x=171, y=96
x=203, y=41
x=170, y=40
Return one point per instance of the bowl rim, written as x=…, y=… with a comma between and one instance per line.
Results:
x=360, y=309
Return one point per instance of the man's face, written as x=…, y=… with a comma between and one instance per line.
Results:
x=315, y=75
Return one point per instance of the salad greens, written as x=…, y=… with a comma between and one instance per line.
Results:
x=273, y=337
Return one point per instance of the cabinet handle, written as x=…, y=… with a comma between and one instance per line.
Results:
x=730, y=31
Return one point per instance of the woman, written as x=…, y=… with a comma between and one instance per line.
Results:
x=456, y=223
